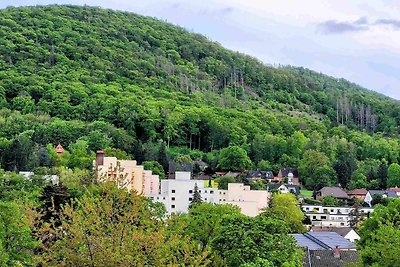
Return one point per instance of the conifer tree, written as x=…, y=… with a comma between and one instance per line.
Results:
x=196, y=196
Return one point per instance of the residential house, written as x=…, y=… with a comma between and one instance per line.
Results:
x=177, y=194
x=335, y=192
x=291, y=174
x=345, y=232
x=250, y=202
x=320, y=215
x=284, y=188
x=358, y=194
x=326, y=249
x=384, y=193
x=396, y=190
x=257, y=174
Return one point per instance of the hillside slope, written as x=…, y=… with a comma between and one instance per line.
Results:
x=131, y=83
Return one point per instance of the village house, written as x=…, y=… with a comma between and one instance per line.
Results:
x=384, y=193
x=289, y=173
x=284, y=188
x=257, y=174
x=396, y=190
x=335, y=192
x=358, y=194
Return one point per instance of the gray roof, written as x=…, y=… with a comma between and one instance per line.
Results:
x=334, y=192
x=326, y=258
x=382, y=192
x=343, y=231
x=322, y=241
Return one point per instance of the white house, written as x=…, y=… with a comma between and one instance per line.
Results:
x=331, y=216
x=384, y=193
x=250, y=202
x=176, y=194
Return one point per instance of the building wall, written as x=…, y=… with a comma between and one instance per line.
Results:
x=176, y=194
x=250, y=202
x=330, y=216
x=352, y=236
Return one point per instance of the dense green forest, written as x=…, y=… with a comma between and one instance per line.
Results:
x=91, y=78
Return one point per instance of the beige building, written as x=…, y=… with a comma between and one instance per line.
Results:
x=126, y=174
x=250, y=202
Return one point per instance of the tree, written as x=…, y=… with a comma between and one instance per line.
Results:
x=316, y=170
x=224, y=181
x=330, y=201
x=108, y=226
x=246, y=240
x=16, y=240
x=196, y=196
x=234, y=158
x=204, y=221
x=285, y=207
x=393, y=174
x=155, y=167
x=380, y=236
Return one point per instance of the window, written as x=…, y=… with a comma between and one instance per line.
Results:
x=205, y=191
x=323, y=217
x=205, y=199
x=173, y=190
x=172, y=206
x=211, y=192
x=163, y=198
x=172, y=198
x=190, y=191
x=158, y=198
x=199, y=191
x=190, y=199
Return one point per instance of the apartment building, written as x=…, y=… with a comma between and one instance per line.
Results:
x=332, y=216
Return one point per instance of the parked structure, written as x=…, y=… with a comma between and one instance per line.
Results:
x=177, y=194
x=250, y=202
x=384, y=193
x=335, y=192
x=333, y=216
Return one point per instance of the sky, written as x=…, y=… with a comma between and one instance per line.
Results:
x=357, y=40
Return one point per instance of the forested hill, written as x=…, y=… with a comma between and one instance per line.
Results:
x=96, y=78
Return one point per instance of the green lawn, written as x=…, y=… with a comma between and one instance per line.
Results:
x=306, y=193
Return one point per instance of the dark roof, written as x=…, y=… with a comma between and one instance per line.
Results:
x=343, y=231
x=273, y=186
x=382, y=192
x=326, y=258
x=285, y=172
x=260, y=174
x=336, y=192
x=322, y=241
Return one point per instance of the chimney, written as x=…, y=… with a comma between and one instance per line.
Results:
x=336, y=253
x=99, y=157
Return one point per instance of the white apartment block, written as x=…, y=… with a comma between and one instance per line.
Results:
x=331, y=216
x=176, y=194
x=250, y=202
